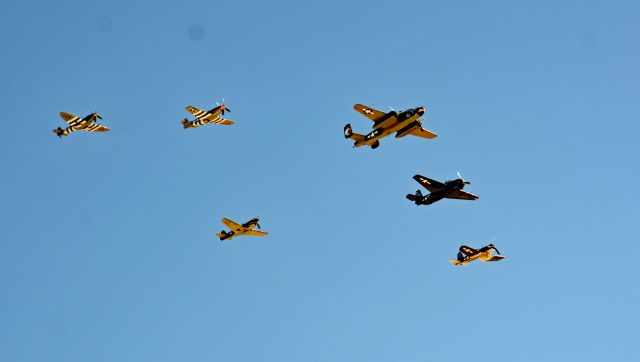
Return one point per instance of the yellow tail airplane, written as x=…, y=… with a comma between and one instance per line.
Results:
x=88, y=123
x=240, y=229
x=466, y=254
x=404, y=123
x=212, y=116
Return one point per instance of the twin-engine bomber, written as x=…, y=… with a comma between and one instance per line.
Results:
x=404, y=123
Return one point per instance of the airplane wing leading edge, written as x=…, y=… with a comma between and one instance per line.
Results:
x=429, y=184
x=231, y=224
x=256, y=233
x=371, y=113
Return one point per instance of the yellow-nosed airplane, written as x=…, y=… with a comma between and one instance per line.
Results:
x=240, y=229
x=88, y=123
x=212, y=116
x=404, y=123
x=466, y=254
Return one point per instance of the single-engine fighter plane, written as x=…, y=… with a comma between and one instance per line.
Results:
x=404, y=123
x=88, y=123
x=212, y=116
x=451, y=189
x=466, y=254
x=240, y=229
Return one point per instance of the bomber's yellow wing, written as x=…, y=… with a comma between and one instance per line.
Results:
x=424, y=133
x=256, y=233
x=371, y=113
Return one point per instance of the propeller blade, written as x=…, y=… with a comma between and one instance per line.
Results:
x=463, y=180
x=258, y=225
x=497, y=251
x=228, y=110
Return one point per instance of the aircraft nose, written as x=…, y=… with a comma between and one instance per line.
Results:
x=421, y=111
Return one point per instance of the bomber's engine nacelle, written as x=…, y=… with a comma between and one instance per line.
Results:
x=406, y=130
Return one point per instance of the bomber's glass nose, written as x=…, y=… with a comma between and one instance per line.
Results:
x=421, y=111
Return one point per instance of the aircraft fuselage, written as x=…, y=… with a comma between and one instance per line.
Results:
x=452, y=186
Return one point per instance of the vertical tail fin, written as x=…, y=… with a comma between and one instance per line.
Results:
x=348, y=133
x=417, y=198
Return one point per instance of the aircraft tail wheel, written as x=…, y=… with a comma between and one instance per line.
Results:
x=348, y=132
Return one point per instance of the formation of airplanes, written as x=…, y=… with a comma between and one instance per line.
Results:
x=402, y=123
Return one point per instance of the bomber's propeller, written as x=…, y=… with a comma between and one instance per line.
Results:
x=496, y=249
x=463, y=180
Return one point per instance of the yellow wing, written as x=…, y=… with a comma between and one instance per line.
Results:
x=371, y=113
x=94, y=127
x=256, y=233
x=71, y=119
x=424, y=133
x=199, y=113
x=231, y=224
x=225, y=122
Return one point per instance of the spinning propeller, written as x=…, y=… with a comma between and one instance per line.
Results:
x=223, y=106
x=494, y=247
x=463, y=180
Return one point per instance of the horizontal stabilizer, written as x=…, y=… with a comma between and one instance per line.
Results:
x=348, y=133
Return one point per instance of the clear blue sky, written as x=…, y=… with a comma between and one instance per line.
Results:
x=107, y=246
